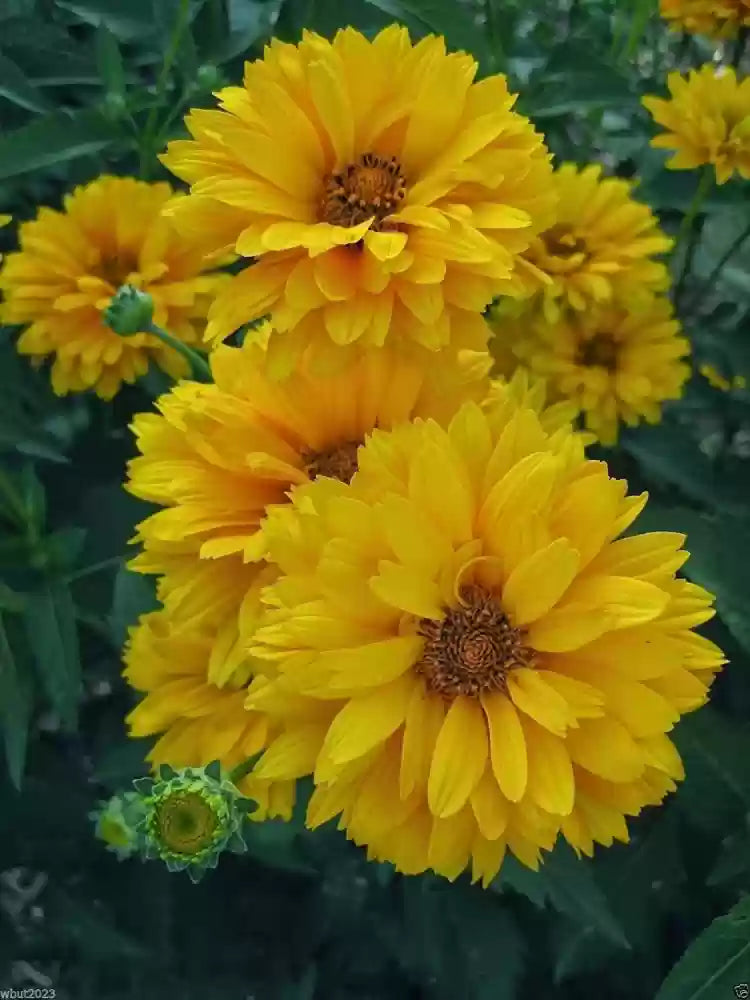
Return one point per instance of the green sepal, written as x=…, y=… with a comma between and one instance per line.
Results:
x=214, y=771
x=143, y=786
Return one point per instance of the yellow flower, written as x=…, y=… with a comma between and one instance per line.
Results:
x=381, y=192
x=613, y=365
x=468, y=656
x=715, y=18
x=71, y=262
x=217, y=455
x=707, y=120
x=601, y=246
x=719, y=381
x=198, y=721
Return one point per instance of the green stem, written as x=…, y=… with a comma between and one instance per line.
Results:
x=690, y=230
x=238, y=773
x=94, y=568
x=738, y=48
x=147, y=141
x=497, y=52
x=198, y=367
x=729, y=252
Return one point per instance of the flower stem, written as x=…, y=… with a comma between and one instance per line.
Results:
x=690, y=229
x=198, y=367
x=729, y=252
x=239, y=772
x=738, y=48
x=147, y=139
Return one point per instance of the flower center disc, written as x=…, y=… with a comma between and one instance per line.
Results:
x=372, y=187
x=339, y=462
x=186, y=823
x=472, y=650
x=115, y=270
x=600, y=350
x=561, y=242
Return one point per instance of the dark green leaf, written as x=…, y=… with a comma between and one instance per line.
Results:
x=733, y=866
x=109, y=61
x=54, y=139
x=50, y=621
x=17, y=88
x=16, y=703
x=443, y=17
x=715, y=752
x=716, y=962
x=126, y=19
x=133, y=597
x=568, y=883
x=719, y=558
x=10, y=600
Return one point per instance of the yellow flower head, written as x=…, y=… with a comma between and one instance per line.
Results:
x=198, y=721
x=71, y=263
x=715, y=18
x=217, y=455
x=707, y=120
x=601, y=247
x=469, y=656
x=611, y=364
x=380, y=190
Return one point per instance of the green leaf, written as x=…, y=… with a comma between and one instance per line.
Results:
x=639, y=881
x=10, y=600
x=443, y=17
x=719, y=558
x=109, y=61
x=733, y=865
x=133, y=596
x=568, y=883
x=17, y=88
x=128, y=20
x=50, y=622
x=16, y=703
x=715, y=751
x=53, y=139
x=715, y=962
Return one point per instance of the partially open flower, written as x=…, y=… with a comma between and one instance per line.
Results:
x=602, y=247
x=715, y=18
x=707, y=121
x=191, y=817
x=613, y=365
x=109, y=233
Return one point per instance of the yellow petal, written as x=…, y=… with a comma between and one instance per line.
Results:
x=407, y=589
x=507, y=745
x=362, y=724
x=459, y=757
x=539, y=700
x=551, y=782
x=605, y=748
x=490, y=806
x=293, y=754
x=424, y=719
x=538, y=583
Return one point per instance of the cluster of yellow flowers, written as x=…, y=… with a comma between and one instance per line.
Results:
x=377, y=565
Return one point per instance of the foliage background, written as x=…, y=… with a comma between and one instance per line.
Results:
x=88, y=86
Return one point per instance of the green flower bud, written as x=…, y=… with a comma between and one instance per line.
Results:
x=130, y=311
x=208, y=78
x=117, y=823
x=191, y=817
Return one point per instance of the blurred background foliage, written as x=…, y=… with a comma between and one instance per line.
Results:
x=88, y=86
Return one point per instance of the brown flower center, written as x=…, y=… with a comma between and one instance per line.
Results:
x=371, y=188
x=561, y=242
x=472, y=650
x=339, y=462
x=599, y=350
x=116, y=268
